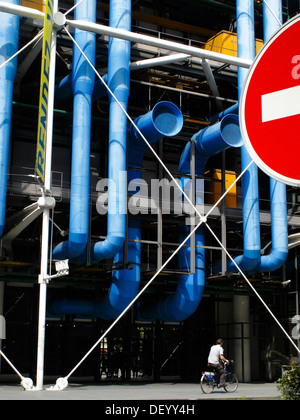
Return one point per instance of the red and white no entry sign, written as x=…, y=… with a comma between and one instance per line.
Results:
x=270, y=106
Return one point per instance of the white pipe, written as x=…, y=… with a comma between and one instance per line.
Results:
x=131, y=36
x=159, y=43
x=158, y=61
x=21, y=10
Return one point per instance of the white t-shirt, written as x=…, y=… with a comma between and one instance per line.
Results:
x=215, y=353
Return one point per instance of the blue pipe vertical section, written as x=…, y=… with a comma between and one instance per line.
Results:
x=125, y=283
x=279, y=253
x=9, y=38
x=251, y=223
x=164, y=120
x=188, y=295
x=185, y=301
x=118, y=81
x=83, y=80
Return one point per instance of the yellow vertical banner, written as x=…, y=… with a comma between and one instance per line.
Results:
x=44, y=90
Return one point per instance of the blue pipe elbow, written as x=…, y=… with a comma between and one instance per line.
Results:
x=125, y=283
x=279, y=229
x=124, y=287
x=9, y=39
x=279, y=224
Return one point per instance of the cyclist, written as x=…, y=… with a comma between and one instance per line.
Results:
x=215, y=357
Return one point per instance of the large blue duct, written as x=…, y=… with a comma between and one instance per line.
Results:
x=118, y=79
x=188, y=295
x=279, y=253
x=251, y=223
x=9, y=38
x=83, y=80
x=251, y=261
x=164, y=120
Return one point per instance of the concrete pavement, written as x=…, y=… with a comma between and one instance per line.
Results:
x=140, y=392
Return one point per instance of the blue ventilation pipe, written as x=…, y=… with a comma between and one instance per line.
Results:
x=9, y=38
x=251, y=261
x=124, y=287
x=83, y=79
x=188, y=295
x=118, y=80
x=279, y=227
x=64, y=89
x=251, y=224
x=164, y=120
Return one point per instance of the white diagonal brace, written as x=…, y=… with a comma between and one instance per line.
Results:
x=23, y=11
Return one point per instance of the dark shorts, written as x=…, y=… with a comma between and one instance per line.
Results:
x=219, y=369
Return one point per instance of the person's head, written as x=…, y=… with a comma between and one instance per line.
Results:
x=220, y=342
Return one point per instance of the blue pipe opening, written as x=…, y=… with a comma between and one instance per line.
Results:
x=165, y=120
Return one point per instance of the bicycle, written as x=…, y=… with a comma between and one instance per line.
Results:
x=209, y=381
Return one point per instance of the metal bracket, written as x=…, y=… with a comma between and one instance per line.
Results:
x=62, y=268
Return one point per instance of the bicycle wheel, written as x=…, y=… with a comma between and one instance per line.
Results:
x=206, y=385
x=232, y=383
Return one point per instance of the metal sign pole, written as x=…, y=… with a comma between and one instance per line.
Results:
x=49, y=71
